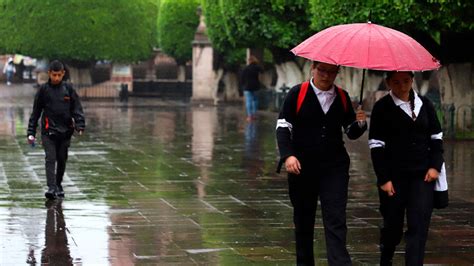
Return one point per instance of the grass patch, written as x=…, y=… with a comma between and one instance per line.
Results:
x=17, y=184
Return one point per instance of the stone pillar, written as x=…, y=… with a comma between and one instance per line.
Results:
x=203, y=73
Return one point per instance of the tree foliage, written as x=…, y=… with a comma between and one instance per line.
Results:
x=431, y=15
x=227, y=51
x=177, y=23
x=262, y=24
x=440, y=25
x=79, y=30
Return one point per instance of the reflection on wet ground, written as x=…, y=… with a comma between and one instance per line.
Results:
x=169, y=183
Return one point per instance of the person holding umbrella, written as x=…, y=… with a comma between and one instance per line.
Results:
x=371, y=46
x=405, y=139
x=309, y=135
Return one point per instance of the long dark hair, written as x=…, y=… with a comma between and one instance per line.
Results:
x=411, y=96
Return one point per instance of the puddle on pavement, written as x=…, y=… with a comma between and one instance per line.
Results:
x=189, y=185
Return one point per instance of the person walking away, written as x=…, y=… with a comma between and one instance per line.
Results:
x=9, y=70
x=309, y=134
x=250, y=83
x=405, y=140
x=21, y=69
x=61, y=113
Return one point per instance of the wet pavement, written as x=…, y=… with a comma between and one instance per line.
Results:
x=168, y=183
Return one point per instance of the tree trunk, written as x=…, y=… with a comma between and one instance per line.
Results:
x=181, y=73
x=350, y=79
x=289, y=74
x=215, y=86
x=424, y=87
x=456, y=83
x=231, y=86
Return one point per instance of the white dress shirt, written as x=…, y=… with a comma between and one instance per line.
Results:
x=405, y=106
x=325, y=98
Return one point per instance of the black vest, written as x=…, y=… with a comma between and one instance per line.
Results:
x=318, y=135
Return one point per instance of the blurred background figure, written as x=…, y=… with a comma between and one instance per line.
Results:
x=250, y=83
x=9, y=70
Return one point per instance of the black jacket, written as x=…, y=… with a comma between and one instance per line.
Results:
x=249, y=80
x=408, y=145
x=312, y=134
x=60, y=110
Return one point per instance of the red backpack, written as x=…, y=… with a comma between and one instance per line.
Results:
x=302, y=94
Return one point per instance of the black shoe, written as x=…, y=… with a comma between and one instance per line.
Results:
x=50, y=194
x=60, y=192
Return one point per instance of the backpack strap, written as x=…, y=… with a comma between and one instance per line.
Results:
x=343, y=98
x=304, y=89
x=68, y=88
x=301, y=95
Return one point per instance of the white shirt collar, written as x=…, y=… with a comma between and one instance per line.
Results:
x=399, y=102
x=331, y=91
x=405, y=106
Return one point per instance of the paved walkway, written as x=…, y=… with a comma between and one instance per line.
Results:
x=166, y=183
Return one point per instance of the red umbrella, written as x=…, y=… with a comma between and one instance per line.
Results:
x=367, y=46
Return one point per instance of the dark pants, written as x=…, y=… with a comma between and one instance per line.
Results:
x=330, y=185
x=56, y=150
x=415, y=197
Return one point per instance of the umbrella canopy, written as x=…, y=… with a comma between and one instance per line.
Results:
x=368, y=46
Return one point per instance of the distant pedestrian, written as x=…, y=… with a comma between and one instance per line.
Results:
x=9, y=70
x=310, y=139
x=21, y=69
x=405, y=139
x=250, y=83
x=61, y=113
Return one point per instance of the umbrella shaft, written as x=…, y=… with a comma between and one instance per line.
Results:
x=362, y=87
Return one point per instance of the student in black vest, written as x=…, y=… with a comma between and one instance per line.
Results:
x=312, y=149
x=405, y=139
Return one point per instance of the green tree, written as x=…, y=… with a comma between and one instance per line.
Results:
x=230, y=54
x=431, y=22
x=79, y=31
x=177, y=23
x=276, y=25
x=444, y=27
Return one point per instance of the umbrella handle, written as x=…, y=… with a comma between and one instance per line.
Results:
x=362, y=87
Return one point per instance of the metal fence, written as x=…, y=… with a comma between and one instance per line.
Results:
x=270, y=99
x=163, y=89
x=160, y=89
x=98, y=91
